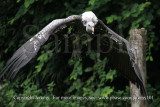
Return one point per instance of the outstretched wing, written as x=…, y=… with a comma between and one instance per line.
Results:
x=122, y=58
x=117, y=49
x=20, y=58
x=29, y=50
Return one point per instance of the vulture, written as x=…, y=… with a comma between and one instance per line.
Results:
x=92, y=25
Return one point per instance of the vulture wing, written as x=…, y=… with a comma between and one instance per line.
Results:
x=29, y=50
x=122, y=58
x=117, y=59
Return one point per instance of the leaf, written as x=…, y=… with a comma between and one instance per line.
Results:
x=50, y=86
x=95, y=4
x=106, y=91
x=134, y=8
x=147, y=58
x=88, y=69
x=70, y=62
x=151, y=58
x=76, y=85
x=27, y=3
x=151, y=45
x=97, y=92
x=47, y=1
x=91, y=2
x=144, y=5
x=69, y=30
x=84, y=42
x=26, y=82
x=87, y=91
x=18, y=1
x=111, y=18
x=22, y=10
x=77, y=70
x=39, y=67
x=146, y=23
x=110, y=75
x=92, y=55
x=126, y=14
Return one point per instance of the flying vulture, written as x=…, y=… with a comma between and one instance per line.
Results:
x=93, y=26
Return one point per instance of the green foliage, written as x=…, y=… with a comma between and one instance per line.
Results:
x=77, y=70
x=69, y=30
x=22, y=10
x=111, y=75
x=27, y=3
x=94, y=4
x=111, y=18
x=140, y=15
x=43, y=58
x=87, y=75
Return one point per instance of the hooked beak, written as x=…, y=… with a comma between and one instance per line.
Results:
x=92, y=30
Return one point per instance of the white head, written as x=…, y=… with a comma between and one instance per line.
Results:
x=89, y=20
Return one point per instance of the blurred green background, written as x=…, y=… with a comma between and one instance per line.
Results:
x=54, y=74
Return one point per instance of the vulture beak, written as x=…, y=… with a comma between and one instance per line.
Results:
x=92, y=30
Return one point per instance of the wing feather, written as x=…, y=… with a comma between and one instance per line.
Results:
x=133, y=74
x=29, y=50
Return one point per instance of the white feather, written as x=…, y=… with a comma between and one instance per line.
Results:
x=89, y=17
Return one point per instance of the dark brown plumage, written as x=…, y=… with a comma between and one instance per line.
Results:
x=122, y=60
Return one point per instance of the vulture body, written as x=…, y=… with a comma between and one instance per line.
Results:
x=29, y=50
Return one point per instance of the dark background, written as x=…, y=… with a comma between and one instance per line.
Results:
x=55, y=74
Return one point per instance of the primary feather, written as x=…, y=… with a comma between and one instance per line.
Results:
x=29, y=50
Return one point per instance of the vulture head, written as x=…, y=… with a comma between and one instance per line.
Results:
x=89, y=20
